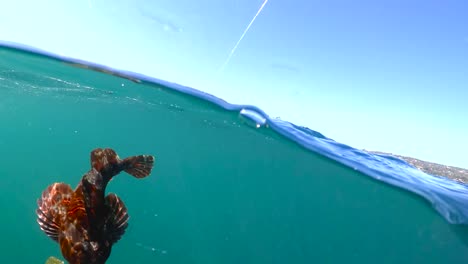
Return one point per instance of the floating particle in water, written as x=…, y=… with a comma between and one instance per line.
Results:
x=153, y=249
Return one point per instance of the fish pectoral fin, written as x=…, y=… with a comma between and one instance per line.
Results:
x=54, y=260
x=117, y=217
x=139, y=166
x=49, y=207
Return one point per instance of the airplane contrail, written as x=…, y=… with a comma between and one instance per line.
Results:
x=242, y=36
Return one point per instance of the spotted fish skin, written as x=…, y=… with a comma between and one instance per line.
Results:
x=84, y=221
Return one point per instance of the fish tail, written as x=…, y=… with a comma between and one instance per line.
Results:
x=139, y=166
x=103, y=159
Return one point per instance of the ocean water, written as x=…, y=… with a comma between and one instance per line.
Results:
x=230, y=185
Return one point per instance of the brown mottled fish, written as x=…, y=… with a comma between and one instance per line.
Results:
x=86, y=222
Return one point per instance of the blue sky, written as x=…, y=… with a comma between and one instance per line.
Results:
x=387, y=75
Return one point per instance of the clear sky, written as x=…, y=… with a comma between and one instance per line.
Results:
x=388, y=75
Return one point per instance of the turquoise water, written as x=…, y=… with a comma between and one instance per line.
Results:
x=223, y=190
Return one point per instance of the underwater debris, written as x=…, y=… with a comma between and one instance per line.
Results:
x=106, y=71
x=53, y=260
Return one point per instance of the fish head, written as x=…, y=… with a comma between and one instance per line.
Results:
x=99, y=252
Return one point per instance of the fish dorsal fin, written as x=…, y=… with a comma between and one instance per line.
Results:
x=101, y=158
x=51, y=206
x=116, y=218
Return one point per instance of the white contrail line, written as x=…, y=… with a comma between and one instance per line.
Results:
x=242, y=36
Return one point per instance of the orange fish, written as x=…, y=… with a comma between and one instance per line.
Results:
x=85, y=222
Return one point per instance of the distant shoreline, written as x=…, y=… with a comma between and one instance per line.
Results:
x=454, y=173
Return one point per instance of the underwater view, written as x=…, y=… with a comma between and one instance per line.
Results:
x=229, y=183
